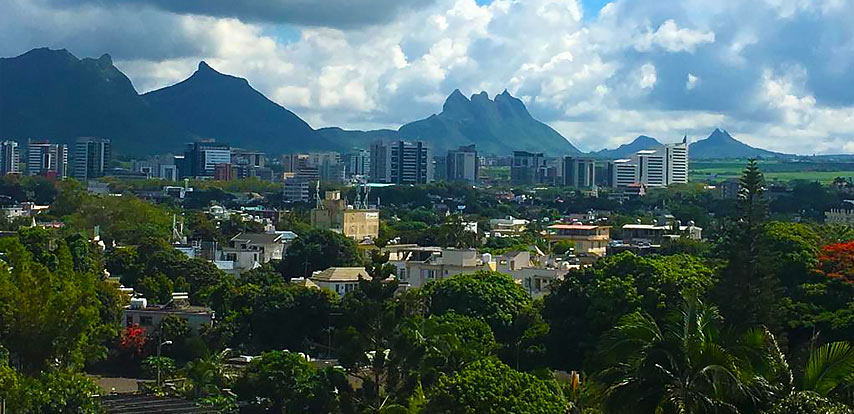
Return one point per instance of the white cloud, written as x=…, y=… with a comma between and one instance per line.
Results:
x=647, y=76
x=691, y=82
x=672, y=38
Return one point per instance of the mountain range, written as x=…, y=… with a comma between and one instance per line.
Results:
x=52, y=94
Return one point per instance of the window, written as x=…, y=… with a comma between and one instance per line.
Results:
x=145, y=321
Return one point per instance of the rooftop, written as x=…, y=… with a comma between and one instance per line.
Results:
x=340, y=274
x=574, y=227
x=260, y=238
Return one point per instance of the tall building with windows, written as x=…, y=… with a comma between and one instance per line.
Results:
x=463, y=164
x=676, y=162
x=401, y=162
x=10, y=158
x=624, y=173
x=579, y=172
x=527, y=168
x=44, y=158
x=651, y=168
x=202, y=157
x=358, y=163
x=90, y=158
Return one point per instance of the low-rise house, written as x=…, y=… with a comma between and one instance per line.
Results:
x=588, y=239
x=270, y=246
x=508, y=227
x=658, y=233
x=341, y=280
x=149, y=316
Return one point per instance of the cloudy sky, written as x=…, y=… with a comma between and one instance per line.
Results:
x=775, y=73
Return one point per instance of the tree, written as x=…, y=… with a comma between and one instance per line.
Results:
x=806, y=402
x=837, y=262
x=489, y=386
x=684, y=364
x=829, y=368
x=285, y=382
x=206, y=376
x=589, y=301
x=318, y=250
x=301, y=315
x=747, y=293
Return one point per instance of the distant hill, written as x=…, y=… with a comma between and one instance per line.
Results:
x=497, y=126
x=720, y=144
x=640, y=143
x=52, y=94
x=210, y=104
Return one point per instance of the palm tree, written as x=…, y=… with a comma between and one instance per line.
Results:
x=830, y=369
x=681, y=366
x=206, y=376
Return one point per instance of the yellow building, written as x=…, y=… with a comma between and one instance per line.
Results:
x=589, y=239
x=334, y=214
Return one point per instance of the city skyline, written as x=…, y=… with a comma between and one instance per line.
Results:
x=774, y=73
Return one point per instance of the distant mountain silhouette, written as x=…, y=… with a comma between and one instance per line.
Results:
x=720, y=144
x=640, y=143
x=52, y=94
x=497, y=126
x=210, y=104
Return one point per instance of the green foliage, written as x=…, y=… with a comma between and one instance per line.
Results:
x=829, y=368
x=563, y=247
x=124, y=219
x=590, y=301
x=57, y=392
x=46, y=318
x=318, y=250
x=166, y=365
x=286, y=382
x=806, y=402
x=489, y=386
x=491, y=296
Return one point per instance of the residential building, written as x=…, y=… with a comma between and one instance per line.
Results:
x=149, y=316
x=527, y=168
x=507, y=227
x=341, y=280
x=202, y=157
x=44, y=158
x=844, y=214
x=588, y=239
x=357, y=222
x=296, y=190
x=247, y=251
x=728, y=189
x=358, y=163
x=660, y=232
x=463, y=164
x=10, y=158
x=401, y=162
x=579, y=172
x=90, y=158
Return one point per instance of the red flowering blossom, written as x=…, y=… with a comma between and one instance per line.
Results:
x=133, y=339
x=836, y=261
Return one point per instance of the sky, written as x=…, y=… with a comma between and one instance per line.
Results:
x=778, y=74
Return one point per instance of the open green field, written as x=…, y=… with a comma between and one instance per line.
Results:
x=823, y=172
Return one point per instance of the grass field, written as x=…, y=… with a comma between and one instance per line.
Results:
x=823, y=172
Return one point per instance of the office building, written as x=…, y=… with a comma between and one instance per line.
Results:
x=579, y=172
x=223, y=172
x=463, y=164
x=50, y=160
x=323, y=166
x=10, y=158
x=201, y=158
x=401, y=162
x=168, y=172
x=651, y=168
x=624, y=173
x=527, y=168
x=250, y=164
x=358, y=222
x=295, y=190
x=358, y=163
x=676, y=162
x=90, y=158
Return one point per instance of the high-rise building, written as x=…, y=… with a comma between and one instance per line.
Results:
x=90, y=158
x=676, y=162
x=10, y=158
x=44, y=158
x=579, y=172
x=201, y=158
x=625, y=173
x=651, y=168
x=401, y=162
x=463, y=164
x=248, y=164
x=358, y=163
x=223, y=172
x=527, y=168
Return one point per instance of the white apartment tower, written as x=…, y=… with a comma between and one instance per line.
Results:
x=10, y=158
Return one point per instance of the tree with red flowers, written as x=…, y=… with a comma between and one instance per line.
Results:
x=836, y=261
x=133, y=340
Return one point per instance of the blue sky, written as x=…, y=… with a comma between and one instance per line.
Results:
x=776, y=73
